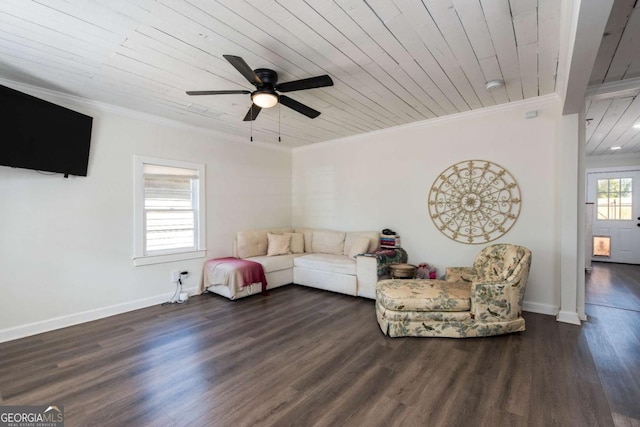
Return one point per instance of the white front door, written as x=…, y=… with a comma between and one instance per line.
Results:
x=616, y=220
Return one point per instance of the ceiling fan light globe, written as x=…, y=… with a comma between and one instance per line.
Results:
x=264, y=99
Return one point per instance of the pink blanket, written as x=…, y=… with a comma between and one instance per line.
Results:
x=221, y=269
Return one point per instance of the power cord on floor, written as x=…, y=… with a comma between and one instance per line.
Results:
x=175, y=298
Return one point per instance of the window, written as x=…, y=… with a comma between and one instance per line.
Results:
x=169, y=210
x=614, y=199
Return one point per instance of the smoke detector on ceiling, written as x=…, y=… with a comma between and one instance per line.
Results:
x=494, y=84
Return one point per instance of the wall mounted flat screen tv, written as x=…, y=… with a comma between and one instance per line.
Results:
x=36, y=134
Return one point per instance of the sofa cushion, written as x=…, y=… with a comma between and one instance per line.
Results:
x=297, y=242
x=279, y=244
x=328, y=242
x=326, y=262
x=308, y=237
x=424, y=295
x=352, y=236
x=360, y=246
x=274, y=263
x=252, y=243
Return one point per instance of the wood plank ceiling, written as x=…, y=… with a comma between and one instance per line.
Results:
x=613, y=108
x=393, y=61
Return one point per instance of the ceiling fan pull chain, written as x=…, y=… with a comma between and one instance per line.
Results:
x=251, y=139
x=279, y=140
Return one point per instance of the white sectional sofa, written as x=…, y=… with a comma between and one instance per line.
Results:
x=322, y=259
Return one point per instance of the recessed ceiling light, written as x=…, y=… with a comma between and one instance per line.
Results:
x=616, y=148
x=637, y=126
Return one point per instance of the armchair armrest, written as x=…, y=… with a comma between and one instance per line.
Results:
x=460, y=274
x=496, y=301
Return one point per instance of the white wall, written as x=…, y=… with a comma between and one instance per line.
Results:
x=382, y=180
x=66, y=245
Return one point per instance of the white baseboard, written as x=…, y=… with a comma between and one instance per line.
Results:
x=535, y=307
x=34, y=328
x=569, y=317
x=552, y=310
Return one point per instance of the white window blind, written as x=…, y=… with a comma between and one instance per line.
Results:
x=170, y=208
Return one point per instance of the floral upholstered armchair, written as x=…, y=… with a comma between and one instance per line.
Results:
x=482, y=300
x=498, y=278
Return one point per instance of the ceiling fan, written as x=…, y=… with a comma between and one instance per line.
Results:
x=266, y=94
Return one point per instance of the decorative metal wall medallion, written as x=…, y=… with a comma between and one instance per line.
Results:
x=475, y=201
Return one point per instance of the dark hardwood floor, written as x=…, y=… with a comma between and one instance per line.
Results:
x=613, y=334
x=305, y=357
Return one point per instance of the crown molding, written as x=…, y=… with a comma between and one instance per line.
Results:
x=621, y=88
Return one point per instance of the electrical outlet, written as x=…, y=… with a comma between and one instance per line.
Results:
x=175, y=275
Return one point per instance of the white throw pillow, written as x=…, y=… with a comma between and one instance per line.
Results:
x=360, y=246
x=279, y=244
x=251, y=243
x=297, y=242
x=328, y=242
x=374, y=240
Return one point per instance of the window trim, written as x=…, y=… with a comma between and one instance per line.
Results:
x=139, y=256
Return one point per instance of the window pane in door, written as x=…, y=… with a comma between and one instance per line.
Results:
x=614, y=199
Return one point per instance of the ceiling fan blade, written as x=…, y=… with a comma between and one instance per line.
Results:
x=244, y=69
x=217, y=92
x=300, y=108
x=252, y=113
x=310, y=83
